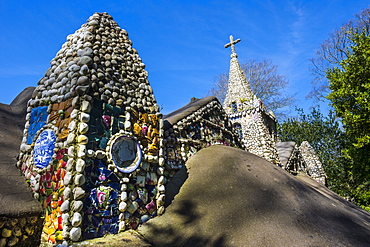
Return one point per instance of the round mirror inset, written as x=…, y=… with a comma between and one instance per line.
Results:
x=44, y=148
x=126, y=153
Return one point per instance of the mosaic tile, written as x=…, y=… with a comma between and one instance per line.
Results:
x=44, y=148
x=37, y=121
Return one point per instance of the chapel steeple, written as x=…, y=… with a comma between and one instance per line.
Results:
x=251, y=121
x=239, y=93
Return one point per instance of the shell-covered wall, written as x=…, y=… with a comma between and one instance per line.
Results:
x=311, y=162
x=205, y=126
x=257, y=129
x=22, y=230
x=255, y=126
x=91, y=149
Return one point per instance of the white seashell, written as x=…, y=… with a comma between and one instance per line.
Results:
x=82, y=139
x=122, y=206
x=77, y=206
x=83, y=128
x=84, y=117
x=74, y=113
x=160, y=170
x=67, y=193
x=79, y=179
x=80, y=165
x=161, y=180
x=85, y=106
x=25, y=147
x=67, y=178
x=77, y=219
x=160, y=210
x=124, y=196
x=65, y=219
x=160, y=200
x=127, y=125
x=161, y=188
x=90, y=153
x=72, y=125
x=64, y=208
x=122, y=226
x=70, y=164
x=75, y=234
x=161, y=161
x=70, y=138
x=100, y=154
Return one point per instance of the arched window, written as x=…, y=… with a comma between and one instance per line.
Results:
x=239, y=130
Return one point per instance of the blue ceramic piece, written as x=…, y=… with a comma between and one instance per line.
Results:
x=108, y=212
x=107, y=175
x=103, y=229
x=38, y=119
x=144, y=218
x=96, y=220
x=44, y=148
x=110, y=220
x=112, y=196
x=107, y=220
x=114, y=228
x=114, y=185
x=103, y=143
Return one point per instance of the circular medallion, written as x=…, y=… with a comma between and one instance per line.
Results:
x=126, y=153
x=44, y=148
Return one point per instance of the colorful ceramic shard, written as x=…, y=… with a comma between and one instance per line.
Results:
x=44, y=148
x=37, y=121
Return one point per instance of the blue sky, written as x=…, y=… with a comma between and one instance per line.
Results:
x=181, y=42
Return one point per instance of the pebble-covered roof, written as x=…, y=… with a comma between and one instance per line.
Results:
x=98, y=60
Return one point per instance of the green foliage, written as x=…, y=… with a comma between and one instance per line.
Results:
x=327, y=138
x=350, y=85
x=333, y=51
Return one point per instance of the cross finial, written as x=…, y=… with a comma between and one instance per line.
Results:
x=232, y=43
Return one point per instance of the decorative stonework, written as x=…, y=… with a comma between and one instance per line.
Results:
x=311, y=163
x=97, y=152
x=91, y=149
x=199, y=124
x=125, y=153
x=44, y=148
x=255, y=126
x=20, y=231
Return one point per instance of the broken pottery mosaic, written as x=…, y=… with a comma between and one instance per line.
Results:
x=91, y=146
x=97, y=152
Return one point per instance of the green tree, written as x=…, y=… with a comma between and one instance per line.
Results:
x=332, y=51
x=350, y=97
x=327, y=138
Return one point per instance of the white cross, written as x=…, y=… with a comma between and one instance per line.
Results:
x=232, y=43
